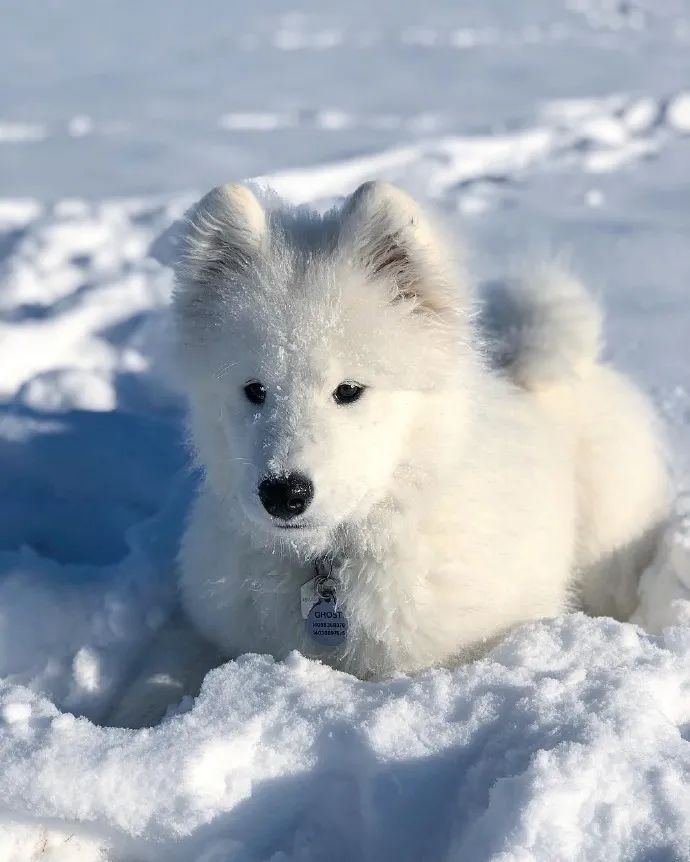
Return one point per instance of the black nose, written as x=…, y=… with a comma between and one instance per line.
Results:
x=286, y=496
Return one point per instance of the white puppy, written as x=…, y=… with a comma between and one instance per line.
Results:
x=355, y=420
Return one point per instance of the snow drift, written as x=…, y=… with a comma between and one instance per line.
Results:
x=569, y=742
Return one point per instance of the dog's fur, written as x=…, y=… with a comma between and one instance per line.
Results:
x=494, y=471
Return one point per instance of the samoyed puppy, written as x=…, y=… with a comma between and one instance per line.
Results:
x=395, y=472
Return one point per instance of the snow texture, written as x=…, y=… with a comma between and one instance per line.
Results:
x=527, y=125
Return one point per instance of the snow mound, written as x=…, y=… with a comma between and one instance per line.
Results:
x=568, y=742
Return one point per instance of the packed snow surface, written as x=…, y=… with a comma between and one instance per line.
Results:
x=530, y=127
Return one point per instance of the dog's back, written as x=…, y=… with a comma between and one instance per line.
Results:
x=544, y=330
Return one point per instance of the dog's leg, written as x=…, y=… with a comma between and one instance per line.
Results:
x=175, y=665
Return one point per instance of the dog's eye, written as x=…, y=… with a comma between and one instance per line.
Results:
x=347, y=392
x=255, y=392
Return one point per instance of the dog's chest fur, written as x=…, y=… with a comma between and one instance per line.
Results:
x=409, y=603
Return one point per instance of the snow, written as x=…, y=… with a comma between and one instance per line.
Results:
x=528, y=126
x=14, y=133
x=519, y=756
x=679, y=112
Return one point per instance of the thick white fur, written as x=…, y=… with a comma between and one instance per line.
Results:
x=470, y=489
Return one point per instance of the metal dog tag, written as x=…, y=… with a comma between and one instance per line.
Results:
x=325, y=622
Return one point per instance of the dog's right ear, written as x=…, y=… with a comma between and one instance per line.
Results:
x=226, y=232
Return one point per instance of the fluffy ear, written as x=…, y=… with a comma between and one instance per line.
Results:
x=226, y=231
x=385, y=230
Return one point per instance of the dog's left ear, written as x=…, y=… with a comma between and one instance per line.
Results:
x=385, y=230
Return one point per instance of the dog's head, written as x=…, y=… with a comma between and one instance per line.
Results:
x=317, y=349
